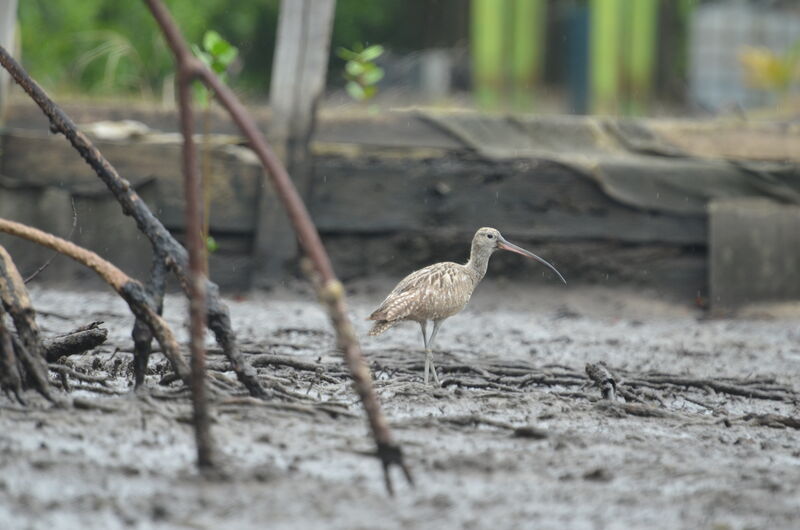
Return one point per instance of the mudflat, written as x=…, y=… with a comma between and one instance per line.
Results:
x=705, y=437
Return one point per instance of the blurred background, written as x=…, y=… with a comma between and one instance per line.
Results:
x=647, y=143
x=631, y=57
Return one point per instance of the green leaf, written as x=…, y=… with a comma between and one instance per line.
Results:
x=369, y=92
x=347, y=55
x=228, y=56
x=355, y=90
x=372, y=53
x=213, y=42
x=372, y=76
x=211, y=244
x=222, y=52
x=217, y=67
x=354, y=68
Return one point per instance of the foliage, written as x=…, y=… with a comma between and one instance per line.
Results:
x=121, y=63
x=766, y=70
x=360, y=70
x=216, y=53
x=109, y=46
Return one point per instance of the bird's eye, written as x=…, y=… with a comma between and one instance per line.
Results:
x=490, y=236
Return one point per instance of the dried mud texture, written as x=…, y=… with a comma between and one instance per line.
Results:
x=514, y=439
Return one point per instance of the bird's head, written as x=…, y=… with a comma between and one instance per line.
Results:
x=488, y=239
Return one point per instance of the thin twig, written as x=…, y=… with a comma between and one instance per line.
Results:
x=68, y=238
x=187, y=71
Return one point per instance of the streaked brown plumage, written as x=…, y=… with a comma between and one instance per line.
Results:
x=441, y=290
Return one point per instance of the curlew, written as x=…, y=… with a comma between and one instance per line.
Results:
x=441, y=290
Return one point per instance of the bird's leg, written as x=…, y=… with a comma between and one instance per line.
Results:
x=429, y=353
x=424, y=326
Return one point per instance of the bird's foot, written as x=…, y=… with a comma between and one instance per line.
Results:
x=429, y=367
x=435, y=376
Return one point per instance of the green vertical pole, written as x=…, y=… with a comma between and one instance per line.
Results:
x=527, y=49
x=486, y=36
x=640, y=51
x=604, y=54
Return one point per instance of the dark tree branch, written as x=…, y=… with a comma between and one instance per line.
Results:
x=330, y=289
x=141, y=334
x=10, y=380
x=26, y=345
x=74, y=342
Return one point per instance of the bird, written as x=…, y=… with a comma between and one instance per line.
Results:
x=441, y=290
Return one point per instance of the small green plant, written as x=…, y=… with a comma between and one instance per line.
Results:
x=211, y=244
x=218, y=54
x=360, y=70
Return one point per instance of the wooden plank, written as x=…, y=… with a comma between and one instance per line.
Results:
x=526, y=199
x=298, y=81
x=300, y=65
x=42, y=161
x=674, y=272
x=390, y=193
x=754, y=253
x=396, y=129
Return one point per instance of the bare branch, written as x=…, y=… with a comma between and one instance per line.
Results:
x=26, y=345
x=10, y=379
x=197, y=265
x=75, y=342
x=141, y=334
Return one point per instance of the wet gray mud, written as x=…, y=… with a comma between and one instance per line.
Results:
x=515, y=438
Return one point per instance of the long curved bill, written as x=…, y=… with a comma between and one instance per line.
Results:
x=505, y=245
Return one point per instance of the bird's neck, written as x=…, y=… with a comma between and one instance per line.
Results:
x=479, y=261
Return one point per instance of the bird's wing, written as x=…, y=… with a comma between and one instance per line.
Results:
x=414, y=289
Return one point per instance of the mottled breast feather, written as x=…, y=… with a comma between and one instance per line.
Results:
x=432, y=293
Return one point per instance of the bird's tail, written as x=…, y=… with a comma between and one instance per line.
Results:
x=380, y=326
